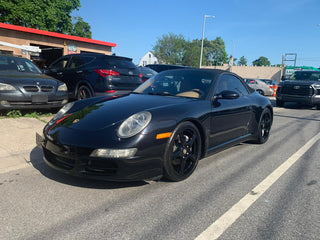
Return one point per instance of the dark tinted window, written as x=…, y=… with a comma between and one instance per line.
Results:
x=231, y=83
x=313, y=76
x=80, y=61
x=60, y=64
x=119, y=63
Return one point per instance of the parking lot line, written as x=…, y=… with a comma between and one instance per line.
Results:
x=217, y=228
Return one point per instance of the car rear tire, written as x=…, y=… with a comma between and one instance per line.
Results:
x=182, y=153
x=279, y=103
x=264, y=127
x=84, y=92
x=318, y=107
x=260, y=92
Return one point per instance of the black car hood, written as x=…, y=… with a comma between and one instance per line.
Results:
x=21, y=78
x=113, y=111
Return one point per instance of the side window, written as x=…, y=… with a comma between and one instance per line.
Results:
x=76, y=62
x=80, y=61
x=60, y=64
x=231, y=83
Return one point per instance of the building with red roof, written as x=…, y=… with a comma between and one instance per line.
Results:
x=43, y=47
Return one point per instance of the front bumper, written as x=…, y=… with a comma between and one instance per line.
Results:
x=309, y=100
x=16, y=100
x=76, y=161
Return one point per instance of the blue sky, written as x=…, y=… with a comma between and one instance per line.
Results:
x=267, y=28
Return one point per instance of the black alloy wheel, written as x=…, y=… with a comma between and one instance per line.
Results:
x=83, y=92
x=182, y=153
x=264, y=126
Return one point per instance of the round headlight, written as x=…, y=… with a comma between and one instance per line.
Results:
x=134, y=124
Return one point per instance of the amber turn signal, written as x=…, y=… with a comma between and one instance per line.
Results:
x=164, y=135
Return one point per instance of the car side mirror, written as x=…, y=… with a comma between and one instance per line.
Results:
x=229, y=94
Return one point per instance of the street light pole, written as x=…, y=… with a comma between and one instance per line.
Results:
x=203, y=26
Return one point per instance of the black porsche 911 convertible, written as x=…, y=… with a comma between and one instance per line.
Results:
x=161, y=129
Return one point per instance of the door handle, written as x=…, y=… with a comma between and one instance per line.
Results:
x=80, y=71
x=59, y=73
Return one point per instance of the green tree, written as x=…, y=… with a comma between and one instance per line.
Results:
x=192, y=53
x=54, y=16
x=174, y=49
x=214, y=52
x=170, y=48
x=242, y=61
x=81, y=28
x=261, y=61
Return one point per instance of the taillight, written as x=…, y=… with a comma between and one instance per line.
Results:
x=140, y=75
x=111, y=91
x=105, y=72
x=271, y=87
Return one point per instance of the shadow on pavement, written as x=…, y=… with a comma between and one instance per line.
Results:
x=38, y=163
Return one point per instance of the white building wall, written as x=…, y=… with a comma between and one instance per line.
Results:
x=148, y=58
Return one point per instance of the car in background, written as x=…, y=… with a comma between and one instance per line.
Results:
x=146, y=73
x=302, y=87
x=260, y=86
x=162, y=129
x=272, y=83
x=163, y=67
x=24, y=86
x=94, y=74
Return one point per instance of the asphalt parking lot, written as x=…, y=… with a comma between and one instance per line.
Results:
x=17, y=142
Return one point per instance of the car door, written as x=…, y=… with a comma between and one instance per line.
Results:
x=57, y=68
x=76, y=71
x=230, y=118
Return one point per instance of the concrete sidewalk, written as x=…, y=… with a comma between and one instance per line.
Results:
x=18, y=142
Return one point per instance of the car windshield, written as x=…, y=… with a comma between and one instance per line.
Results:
x=180, y=83
x=306, y=76
x=8, y=63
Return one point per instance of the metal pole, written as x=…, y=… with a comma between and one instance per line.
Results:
x=203, y=27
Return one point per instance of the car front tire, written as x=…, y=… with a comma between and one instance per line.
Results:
x=182, y=153
x=264, y=127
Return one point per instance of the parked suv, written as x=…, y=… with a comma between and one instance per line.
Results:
x=94, y=74
x=302, y=87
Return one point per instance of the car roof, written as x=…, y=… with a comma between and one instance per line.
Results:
x=101, y=55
